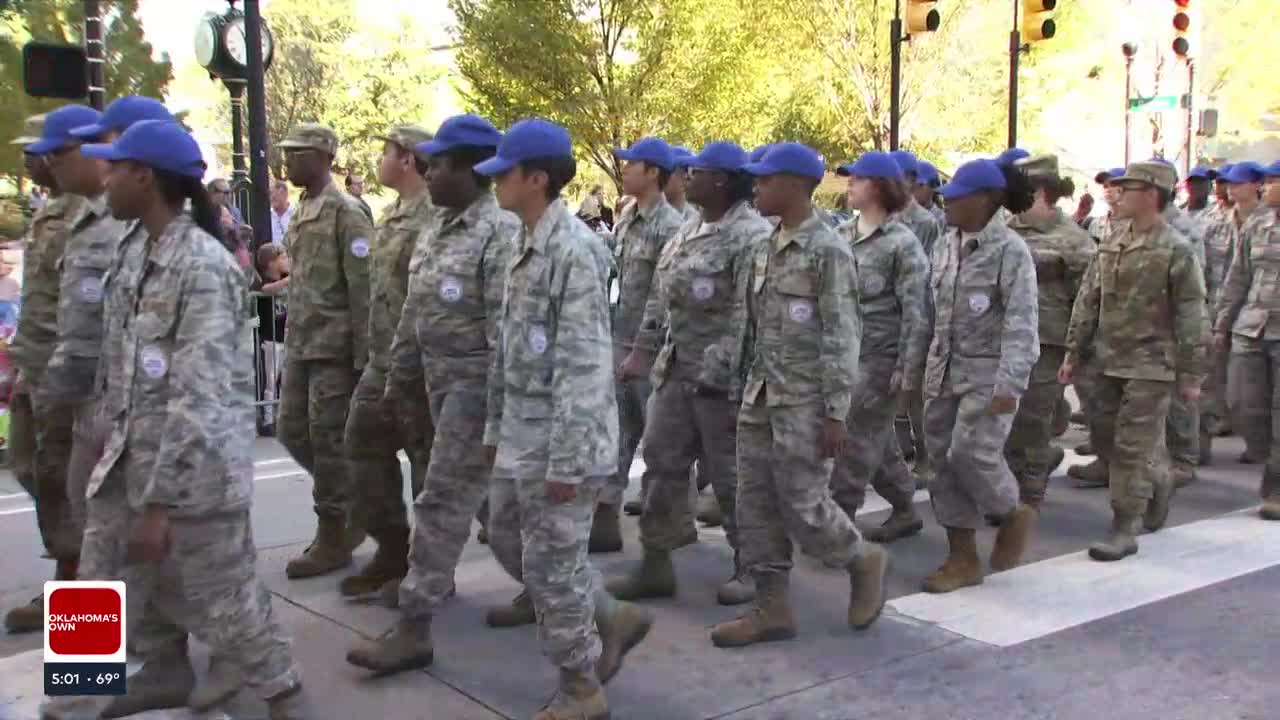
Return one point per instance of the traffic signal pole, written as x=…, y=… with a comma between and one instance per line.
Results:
x=1191, y=102
x=94, y=54
x=260, y=188
x=895, y=73
x=1015, y=49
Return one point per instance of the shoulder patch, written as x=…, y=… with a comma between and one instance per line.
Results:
x=360, y=247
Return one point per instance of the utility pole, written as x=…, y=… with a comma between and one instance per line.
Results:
x=260, y=202
x=94, y=54
x=1191, y=130
x=895, y=73
x=1015, y=49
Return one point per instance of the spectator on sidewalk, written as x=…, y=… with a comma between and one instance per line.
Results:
x=281, y=211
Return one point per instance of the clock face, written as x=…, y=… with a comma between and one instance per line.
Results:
x=206, y=42
x=238, y=47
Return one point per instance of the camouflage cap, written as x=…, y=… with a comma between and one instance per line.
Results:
x=31, y=130
x=311, y=136
x=407, y=136
x=1038, y=166
x=1158, y=174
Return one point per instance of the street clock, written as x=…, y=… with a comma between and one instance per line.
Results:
x=221, y=45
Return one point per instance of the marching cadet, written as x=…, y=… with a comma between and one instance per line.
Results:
x=1199, y=189
x=792, y=378
x=1221, y=193
x=443, y=348
x=677, y=185
x=329, y=240
x=892, y=272
x=642, y=231
x=374, y=429
x=552, y=426
x=1142, y=310
x=40, y=440
x=985, y=342
x=691, y=323
x=1062, y=252
x=1111, y=194
x=1246, y=327
x=925, y=191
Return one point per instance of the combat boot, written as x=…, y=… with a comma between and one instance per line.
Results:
x=1011, y=539
x=769, y=621
x=407, y=646
x=1079, y=418
x=1056, y=456
x=218, y=686
x=634, y=508
x=1182, y=474
x=924, y=473
x=738, y=589
x=709, y=512
x=622, y=626
x=328, y=552
x=902, y=522
x=961, y=568
x=654, y=578
x=1270, y=509
x=1094, y=475
x=1206, y=447
x=579, y=697
x=1061, y=418
x=482, y=535
x=292, y=704
x=166, y=680
x=606, y=530
x=1121, y=543
x=389, y=562
x=26, y=618
x=519, y=612
x=1084, y=449
x=1157, y=512
x=1248, y=458
x=866, y=586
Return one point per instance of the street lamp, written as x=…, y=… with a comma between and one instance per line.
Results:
x=1129, y=49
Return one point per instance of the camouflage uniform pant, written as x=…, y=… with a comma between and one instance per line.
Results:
x=1028, y=449
x=371, y=438
x=784, y=493
x=1182, y=431
x=457, y=482
x=1087, y=381
x=1257, y=364
x=1130, y=419
x=872, y=454
x=633, y=396
x=684, y=427
x=966, y=446
x=910, y=427
x=40, y=446
x=314, y=399
x=1213, y=400
x=207, y=583
x=544, y=545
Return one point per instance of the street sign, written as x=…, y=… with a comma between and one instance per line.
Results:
x=1156, y=103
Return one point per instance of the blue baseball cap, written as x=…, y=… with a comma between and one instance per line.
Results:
x=123, y=113
x=1011, y=156
x=1272, y=170
x=461, y=131
x=927, y=175
x=527, y=140
x=789, y=158
x=1245, y=172
x=973, y=177
x=724, y=156
x=873, y=164
x=680, y=156
x=1107, y=176
x=652, y=150
x=907, y=161
x=160, y=144
x=1222, y=172
x=58, y=126
x=758, y=154
x=1202, y=173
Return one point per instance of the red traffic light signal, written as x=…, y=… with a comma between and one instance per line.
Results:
x=1182, y=28
x=1182, y=22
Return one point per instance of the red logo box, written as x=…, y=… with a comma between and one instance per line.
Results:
x=85, y=621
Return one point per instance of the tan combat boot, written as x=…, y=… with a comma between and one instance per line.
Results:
x=709, y=512
x=606, y=530
x=1270, y=492
x=1121, y=543
x=580, y=697
x=902, y=522
x=1157, y=512
x=1206, y=447
x=622, y=626
x=292, y=704
x=165, y=681
x=389, y=563
x=519, y=612
x=1084, y=449
x=655, y=577
x=1094, y=475
x=1011, y=539
x=30, y=617
x=1182, y=474
x=328, y=552
x=961, y=568
x=738, y=589
x=218, y=686
x=407, y=646
x=866, y=586
x=769, y=621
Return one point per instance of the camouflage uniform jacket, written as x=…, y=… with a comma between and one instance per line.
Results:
x=689, y=213
x=393, y=249
x=800, y=342
x=1194, y=233
x=450, y=323
x=1062, y=253
x=37, y=333
x=1141, y=310
x=986, y=321
x=1250, y=303
x=182, y=440
x=694, y=312
x=1103, y=226
x=91, y=248
x=640, y=236
x=1221, y=236
x=119, y=298
x=922, y=223
x=552, y=412
x=940, y=215
x=892, y=274
x=329, y=241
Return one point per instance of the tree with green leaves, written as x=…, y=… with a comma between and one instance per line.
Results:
x=130, y=68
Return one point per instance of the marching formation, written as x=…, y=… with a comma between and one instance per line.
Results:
x=734, y=333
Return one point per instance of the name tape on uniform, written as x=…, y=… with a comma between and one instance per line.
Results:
x=84, y=638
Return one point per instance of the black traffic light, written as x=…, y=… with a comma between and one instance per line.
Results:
x=1182, y=28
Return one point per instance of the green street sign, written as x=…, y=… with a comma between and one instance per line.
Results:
x=1156, y=103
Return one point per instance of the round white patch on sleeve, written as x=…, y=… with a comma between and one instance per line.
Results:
x=154, y=362
x=91, y=290
x=979, y=303
x=360, y=248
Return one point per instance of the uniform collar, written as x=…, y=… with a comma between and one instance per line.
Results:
x=536, y=241
x=800, y=234
x=406, y=208
x=329, y=189
x=165, y=249
x=470, y=216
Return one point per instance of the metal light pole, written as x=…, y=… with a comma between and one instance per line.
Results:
x=94, y=54
x=1015, y=49
x=1129, y=50
x=260, y=204
x=1191, y=101
x=895, y=73
x=239, y=173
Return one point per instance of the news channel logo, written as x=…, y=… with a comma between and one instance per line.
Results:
x=84, y=638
